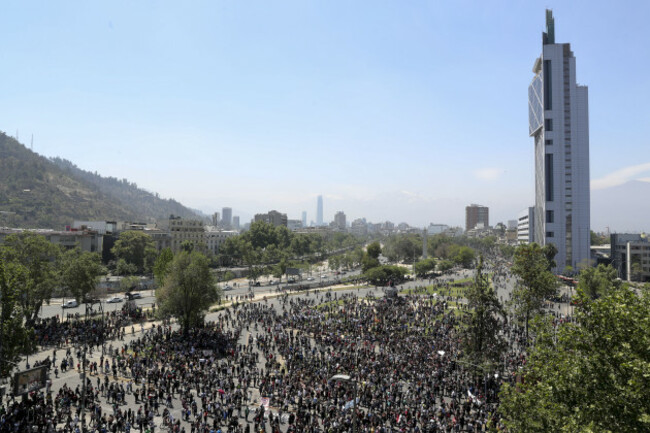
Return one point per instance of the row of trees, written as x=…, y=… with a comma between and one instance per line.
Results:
x=459, y=251
x=32, y=271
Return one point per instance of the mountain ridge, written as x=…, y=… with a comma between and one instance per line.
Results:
x=40, y=192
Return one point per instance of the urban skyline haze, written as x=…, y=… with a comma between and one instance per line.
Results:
x=393, y=111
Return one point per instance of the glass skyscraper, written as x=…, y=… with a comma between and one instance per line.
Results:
x=558, y=121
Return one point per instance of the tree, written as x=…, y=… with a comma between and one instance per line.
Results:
x=550, y=251
x=445, y=265
x=15, y=338
x=374, y=250
x=464, y=257
x=189, y=290
x=161, y=266
x=368, y=263
x=80, y=273
x=535, y=282
x=425, y=266
x=137, y=250
x=280, y=268
x=481, y=341
x=386, y=274
x=34, y=270
x=590, y=377
x=129, y=283
x=595, y=282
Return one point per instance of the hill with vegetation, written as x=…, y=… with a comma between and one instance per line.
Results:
x=37, y=192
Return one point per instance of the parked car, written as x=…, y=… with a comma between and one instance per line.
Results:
x=227, y=287
x=291, y=280
x=70, y=304
x=273, y=283
x=114, y=299
x=310, y=278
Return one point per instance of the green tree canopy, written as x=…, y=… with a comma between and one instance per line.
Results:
x=14, y=336
x=481, y=325
x=161, y=266
x=137, y=250
x=189, y=289
x=386, y=274
x=590, y=377
x=595, y=282
x=80, y=272
x=535, y=281
x=374, y=250
x=464, y=256
x=425, y=266
x=34, y=269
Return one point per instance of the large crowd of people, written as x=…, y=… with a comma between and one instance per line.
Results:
x=317, y=363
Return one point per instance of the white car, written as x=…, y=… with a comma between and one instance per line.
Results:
x=114, y=299
x=70, y=304
x=310, y=278
x=227, y=287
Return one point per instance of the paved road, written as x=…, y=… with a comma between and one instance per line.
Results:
x=54, y=309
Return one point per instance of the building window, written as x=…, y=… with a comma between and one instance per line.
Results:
x=550, y=234
x=548, y=173
x=548, y=142
x=548, y=102
x=548, y=124
x=550, y=216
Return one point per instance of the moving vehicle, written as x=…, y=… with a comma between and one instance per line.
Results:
x=310, y=278
x=114, y=299
x=134, y=295
x=70, y=304
x=227, y=287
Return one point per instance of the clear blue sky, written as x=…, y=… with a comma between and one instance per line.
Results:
x=406, y=111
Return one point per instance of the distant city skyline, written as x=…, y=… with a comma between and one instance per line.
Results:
x=399, y=112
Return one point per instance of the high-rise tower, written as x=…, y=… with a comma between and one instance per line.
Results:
x=226, y=217
x=319, y=211
x=559, y=123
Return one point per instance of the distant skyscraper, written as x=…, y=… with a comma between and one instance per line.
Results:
x=319, y=211
x=215, y=219
x=226, y=218
x=559, y=122
x=339, y=220
x=476, y=214
x=235, y=222
x=304, y=218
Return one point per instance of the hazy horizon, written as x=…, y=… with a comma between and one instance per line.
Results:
x=405, y=112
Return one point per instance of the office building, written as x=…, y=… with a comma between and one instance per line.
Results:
x=235, y=223
x=226, y=217
x=630, y=254
x=559, y=123
x=294, y=224
x=319, y=211
x=477, y=216
x=304, y=218
x=215, y=237
x=272, y=217
x=216, y=219
x=339, y=221
x=181, y=230
x=526, y=226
